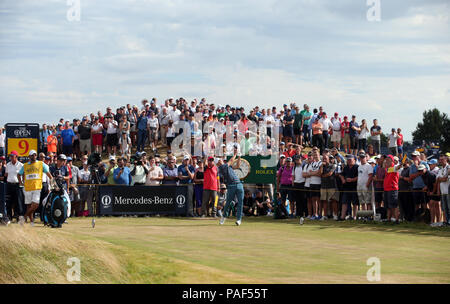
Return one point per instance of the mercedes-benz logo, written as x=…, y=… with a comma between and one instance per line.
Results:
x=181, y=200
x=106, y=200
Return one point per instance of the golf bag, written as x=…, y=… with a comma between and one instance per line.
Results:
x=56, y=206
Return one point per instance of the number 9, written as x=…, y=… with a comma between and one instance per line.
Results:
x=23, y=144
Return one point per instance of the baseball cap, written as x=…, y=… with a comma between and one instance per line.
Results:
x=62, y=157
x=415, y=153
x=210, y=158
x=345, y=117
x=390, y=156
x=371, y=161
x=14, y=152
x=362, y=154
x=350, y=156
x=432, y=161
x=69, y=159
x=282, y=143
x=223, y=186
x=283, y=156
x=48, y=157
x=289, y=159
x=336, y=114
x=186, y=157
x=32, y=152
x=377, y=156
x=396, y=158
x=421, y=167
x=112, y=157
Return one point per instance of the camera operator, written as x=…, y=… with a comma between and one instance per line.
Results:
x=139, y=171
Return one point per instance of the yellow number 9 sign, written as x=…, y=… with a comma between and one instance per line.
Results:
x=22, y=145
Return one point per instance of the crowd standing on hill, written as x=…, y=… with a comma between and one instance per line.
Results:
x=343, y=171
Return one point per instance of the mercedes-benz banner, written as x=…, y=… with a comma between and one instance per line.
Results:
x=117, y=200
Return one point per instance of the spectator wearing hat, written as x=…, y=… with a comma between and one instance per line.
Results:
x=375, y=132
x=142, y=131
x=13, y=189
x=327, y=128
x=60, y=170
x=349, y=178
x=52, y=142
x=30, y=176
x=354, y=130
x=415, y=176
x=390, y=185
x=164, y=118
x=432, y=198
x=211, y=184
x=314, y=174
x=109, y=173
x=186, y=171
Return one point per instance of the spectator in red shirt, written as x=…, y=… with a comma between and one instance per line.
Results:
x=210, y=187
x=400, y=143
x=390, y=185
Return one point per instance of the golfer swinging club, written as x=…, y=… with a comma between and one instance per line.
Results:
x=234, y=186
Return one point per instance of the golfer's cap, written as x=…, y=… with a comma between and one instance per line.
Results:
x=32, y=152
x=186, y=157
x=112, y=157
x=371, y=161
x=415, y=153
x=421, y=167
x=282, y=156
x=14, y=152
x=62, y=157
x=432, y=161
x=69, y=159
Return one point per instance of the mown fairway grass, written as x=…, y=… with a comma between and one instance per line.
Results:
x=262, y=250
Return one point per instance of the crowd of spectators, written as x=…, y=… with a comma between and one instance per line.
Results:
x=328, y=168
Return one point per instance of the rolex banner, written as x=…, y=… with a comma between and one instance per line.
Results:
x=163, y=199
x=257, y=170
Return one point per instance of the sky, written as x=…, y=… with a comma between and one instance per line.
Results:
x=237, y=52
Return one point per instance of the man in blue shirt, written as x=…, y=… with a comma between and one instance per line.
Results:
x=43, y=135
x=186, y=171
x=235, y=189
x=354, y=128
x=170, y=172
x=142, y=131
x=68, y=137
x=122, y=174
x=415, y=176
